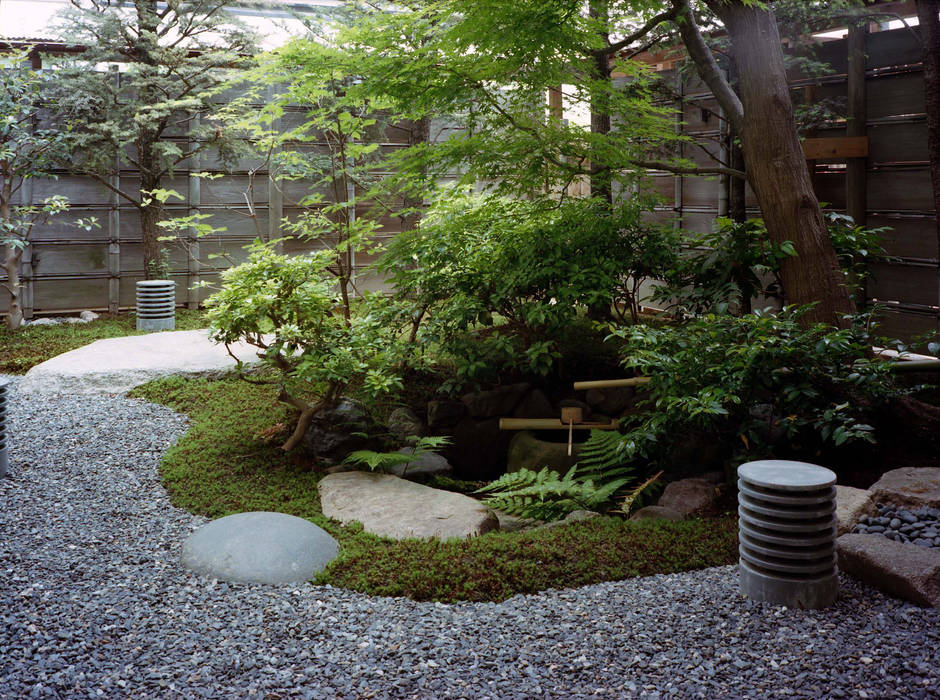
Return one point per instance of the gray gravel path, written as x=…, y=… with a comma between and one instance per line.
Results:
x=94, y=603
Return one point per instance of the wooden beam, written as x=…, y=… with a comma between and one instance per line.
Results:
x=836, y=148
x=551, y=424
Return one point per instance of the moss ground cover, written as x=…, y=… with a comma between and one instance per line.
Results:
x=229, y=462
x=26, y=347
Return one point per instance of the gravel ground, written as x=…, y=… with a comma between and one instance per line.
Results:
x=95, y=604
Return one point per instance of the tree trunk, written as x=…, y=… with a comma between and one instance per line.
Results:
x=927, y=13
x=13, y=254
x=12, y=267
x=601, y=182
x=150, y=216
x=776, y=168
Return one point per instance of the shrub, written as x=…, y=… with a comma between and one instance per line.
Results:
x=289, y=309
x=761, y=380
x=492, y=280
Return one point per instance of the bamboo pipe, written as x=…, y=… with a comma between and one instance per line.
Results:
x=609, y=383
x=551, y=424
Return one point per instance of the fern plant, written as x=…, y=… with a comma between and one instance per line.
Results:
x=545, y=495
x=386, y=461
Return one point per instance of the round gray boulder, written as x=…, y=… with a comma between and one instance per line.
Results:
x=259, y=547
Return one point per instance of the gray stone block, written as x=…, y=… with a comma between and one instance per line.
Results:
x=259, y=547
x=898, y=568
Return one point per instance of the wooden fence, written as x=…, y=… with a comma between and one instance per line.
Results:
x=878, y=172
x=65, y=270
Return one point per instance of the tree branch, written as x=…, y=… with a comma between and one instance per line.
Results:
x=690, y=170
x=707, y=66
x=668, y=15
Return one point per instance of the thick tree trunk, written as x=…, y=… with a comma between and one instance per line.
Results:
x=601, y=182
x=11, y=263
x=150, y=216
x=776, y=168
x=928, y=12
x=12, y=266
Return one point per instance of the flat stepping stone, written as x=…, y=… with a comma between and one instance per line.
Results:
x=259, y=547
x=900, y=569
x=910, y=487
x=116, y=365
x=392, y=507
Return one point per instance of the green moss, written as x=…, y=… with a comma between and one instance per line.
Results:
x=22, y=349
x=229, y=462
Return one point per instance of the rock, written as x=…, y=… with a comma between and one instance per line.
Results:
x=513, y=523
x=656, y=513
x=534, y=405
x=692, y=497
x=529, y=452
x=116, y=365
x=445, y=414
x=577, y=515
x=572, y=517
x=392, y=507
x=852, y=504
x=336, y=432
x=611, y=401
x=478, y=449
x=429, y=463
x=403, y=423
x=901, y=569
x=259, y=547
x=911, y=487
x=74, y=319
x=88, y=316
x=495, y=403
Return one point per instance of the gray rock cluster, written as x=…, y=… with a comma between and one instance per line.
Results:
x=83, y=317
x=920, y=527
x=95, y=603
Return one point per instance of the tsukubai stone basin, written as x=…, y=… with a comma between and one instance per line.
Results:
x=259, y=547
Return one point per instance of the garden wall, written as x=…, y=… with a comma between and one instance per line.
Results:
x=892, y=189
x=65, y=269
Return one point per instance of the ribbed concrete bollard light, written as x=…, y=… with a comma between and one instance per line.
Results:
x=4, y=399
x=156, y=305
x=787, y=530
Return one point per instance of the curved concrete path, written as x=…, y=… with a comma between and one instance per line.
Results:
x=116, y=365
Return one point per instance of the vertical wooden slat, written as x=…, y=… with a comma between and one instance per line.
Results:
x=195, y=200
x=677, y=203
x=275, y=193
x=114, y=226
x=855, y=182
x=27, y=280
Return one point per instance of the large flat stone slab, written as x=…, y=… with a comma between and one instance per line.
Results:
x=851, y=504
x=116, y=365
x=392, y=507
x=898, y=568
x=259, y=547
x=911, y=487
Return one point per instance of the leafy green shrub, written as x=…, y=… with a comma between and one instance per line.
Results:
x=724, y=269
x=289, y=309
x=493, y=280
x=761, y=381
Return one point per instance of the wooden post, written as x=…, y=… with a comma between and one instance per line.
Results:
x=677, y=180
x=856, y=200
x=275, y=194
x=195, y=201
x=114, y=225
x=26, y=261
